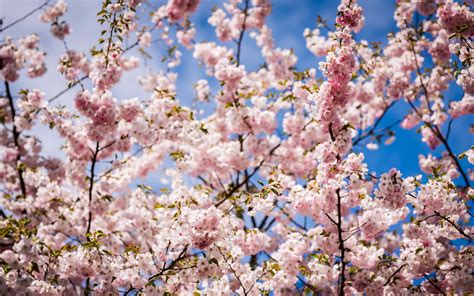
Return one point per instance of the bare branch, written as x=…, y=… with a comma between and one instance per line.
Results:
x=24, y=17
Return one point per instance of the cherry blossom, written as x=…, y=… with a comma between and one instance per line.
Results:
x=267, y=187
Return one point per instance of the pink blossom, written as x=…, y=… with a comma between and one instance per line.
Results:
x=177, y=9
x=258, y=186
x=144, y=39
x=54, y=12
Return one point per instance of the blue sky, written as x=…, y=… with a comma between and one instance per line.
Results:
x=288, y=20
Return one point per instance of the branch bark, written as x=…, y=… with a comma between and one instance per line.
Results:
x=342, y=276
x=91, y=184
x=16, y=137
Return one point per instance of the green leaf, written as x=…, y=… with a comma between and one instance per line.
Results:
x=6, y=268
x=23, y=92
x=213, y=261
x=203, y=128
x=107, y=197
x=34, y=267
x=132, y=249
x=177, y=155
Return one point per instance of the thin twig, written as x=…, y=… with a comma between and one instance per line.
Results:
x=434, y=285
x=371, y=131
x=232, y=269
x=237, y=187
x=24, y=17
x=393, y=274
x=454, y=225
x=440, y=136
x=242, y=32
x=165, y=268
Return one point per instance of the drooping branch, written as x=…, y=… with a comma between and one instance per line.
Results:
x=52, y=99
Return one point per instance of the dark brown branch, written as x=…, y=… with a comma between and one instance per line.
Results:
x=418, y=70
x=461, y=231
x=448, y=133
x=425, y=218
x=435, y=130
x=270, y=224
x=372, y=130
x=291, y=219
x=16, y=137
x=165, y=268
x=333, y=138
x=67, y=89
x=245, y=180
x=24, y=17
x=307, y=284
x=129, y=291
x=342, y=276
x=440, y=136
x=233, y=271
x=393, y=274
x=262, y=223
x=242, y=32
x=112, y=28
x=332, y=220
x=91, y=184
x=456, y=161
x=434, y=285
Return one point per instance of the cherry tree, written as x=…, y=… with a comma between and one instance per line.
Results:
x=269, y=192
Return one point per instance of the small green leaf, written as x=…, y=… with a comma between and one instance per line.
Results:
x=213, y=261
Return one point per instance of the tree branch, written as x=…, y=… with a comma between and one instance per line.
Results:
x=246, y=179
x=91, y=184
x=24, y=17
x=233, y=271
x=242, y=32
x=434, y=285
x=342, y=276
x=393, y=274
x=16, y=137
x=371, y=131
x=461, y=231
